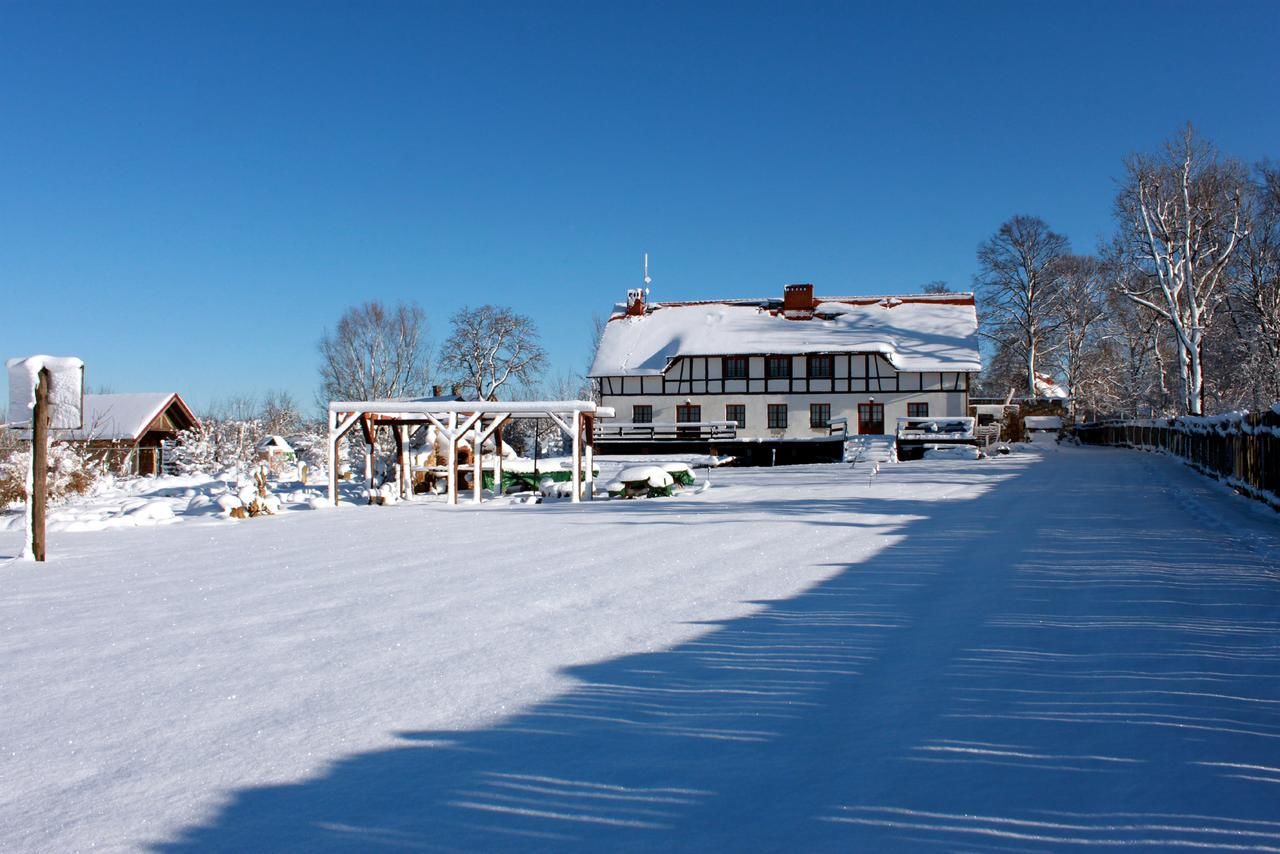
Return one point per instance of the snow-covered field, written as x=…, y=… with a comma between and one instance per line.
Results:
x=1062, y=647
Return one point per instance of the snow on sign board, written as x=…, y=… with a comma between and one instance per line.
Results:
x=66, y=390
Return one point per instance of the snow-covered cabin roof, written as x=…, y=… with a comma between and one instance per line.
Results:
x=927, y=332
x=274, y=443
x=1048, y=387
x=124, y=417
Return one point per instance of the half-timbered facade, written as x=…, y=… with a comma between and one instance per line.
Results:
x=789, y=369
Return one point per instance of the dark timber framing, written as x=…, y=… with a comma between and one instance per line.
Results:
x=854, y=373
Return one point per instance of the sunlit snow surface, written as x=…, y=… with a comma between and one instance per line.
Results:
x=1060, y=648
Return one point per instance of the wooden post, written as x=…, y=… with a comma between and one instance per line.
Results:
x=370, y=450
x=406, y=465
x=453, y=458
x=477, y=470
x=589, y=425
x=497, y=459
x=39, y=496
x=334, y=439
x=577, y=457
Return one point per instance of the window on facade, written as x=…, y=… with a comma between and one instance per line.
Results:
x=819, y=415
x=777, y=367
x=821, y=367
x=736, y=412
x=734, y=368
x=641, y=414
x=777, y=416
x=687, y=413
x=918, y=410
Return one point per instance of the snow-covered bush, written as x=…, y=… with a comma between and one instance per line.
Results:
x=71, y=472
x=218, y=444
x=642, y=482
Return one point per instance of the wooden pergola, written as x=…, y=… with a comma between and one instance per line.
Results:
x=454, y=419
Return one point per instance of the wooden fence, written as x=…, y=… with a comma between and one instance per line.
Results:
x=1240, y=450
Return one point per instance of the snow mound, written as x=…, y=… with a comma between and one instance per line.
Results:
x=656, y=476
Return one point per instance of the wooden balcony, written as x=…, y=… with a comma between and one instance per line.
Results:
x=684, y=431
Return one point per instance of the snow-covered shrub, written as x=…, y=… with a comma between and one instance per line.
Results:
x=217, y=444
x=71, y=472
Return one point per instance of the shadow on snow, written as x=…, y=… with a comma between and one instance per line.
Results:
x=1004, y=677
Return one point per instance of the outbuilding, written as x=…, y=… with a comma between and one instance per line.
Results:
x=133, y=433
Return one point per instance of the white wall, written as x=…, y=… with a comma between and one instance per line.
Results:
x=942, y=404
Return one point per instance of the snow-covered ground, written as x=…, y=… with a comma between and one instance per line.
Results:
x=1061, y=647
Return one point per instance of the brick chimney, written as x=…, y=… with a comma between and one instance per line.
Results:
x=635, y=301
x=797, y=302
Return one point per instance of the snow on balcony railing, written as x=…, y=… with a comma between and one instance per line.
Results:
x=680, y=431
x=956, y=429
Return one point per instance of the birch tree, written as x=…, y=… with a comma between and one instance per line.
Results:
x=490, y=346
x=1181, y=216
x=1019, y=286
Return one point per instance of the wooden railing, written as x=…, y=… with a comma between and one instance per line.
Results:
x=684, y=431
x=1242, y=450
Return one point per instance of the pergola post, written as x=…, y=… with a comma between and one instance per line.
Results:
x=577, y=456
x=331, y=450
x=477, y=469
x=452, y=457
x=370, y=450
x=589, y=425
x=406, y=469
x=497, y=459
x=339, y=424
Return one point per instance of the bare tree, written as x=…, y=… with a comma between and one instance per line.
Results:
x=1083, y=316
x=375, y=353
x=1254, y=298
x=937, y=286
x=1019, y=290
x=491, y=346
x=1181, y=217
x=280, y=414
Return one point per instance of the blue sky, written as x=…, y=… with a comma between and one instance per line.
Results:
x=190, y=193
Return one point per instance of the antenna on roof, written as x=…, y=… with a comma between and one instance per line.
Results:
x=647, y=280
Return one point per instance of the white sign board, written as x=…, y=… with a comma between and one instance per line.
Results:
x=66, y=391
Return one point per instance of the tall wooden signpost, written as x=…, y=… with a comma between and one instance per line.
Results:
x=39, y=497
x=46, y=393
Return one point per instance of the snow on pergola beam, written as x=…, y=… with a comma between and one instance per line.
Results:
x=453, y=419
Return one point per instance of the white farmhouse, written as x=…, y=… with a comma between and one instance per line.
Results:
x=784, y=372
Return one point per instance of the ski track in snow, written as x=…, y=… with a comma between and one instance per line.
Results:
x=1064, y=648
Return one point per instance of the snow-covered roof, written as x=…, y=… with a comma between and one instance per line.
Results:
x=927, y=332
x=122, y=417
x=274, y=442
x=1043, y=422
x=1048, y=387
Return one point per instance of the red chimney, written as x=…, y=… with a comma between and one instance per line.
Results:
x=797, y=302
x=635, y=301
